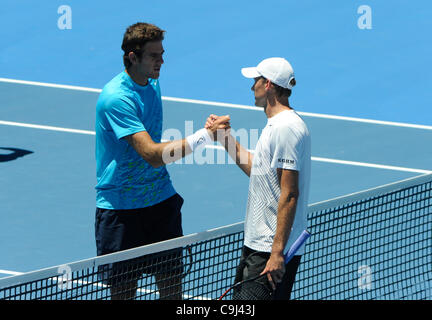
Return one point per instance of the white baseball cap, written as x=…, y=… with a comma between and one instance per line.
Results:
x=277, y=70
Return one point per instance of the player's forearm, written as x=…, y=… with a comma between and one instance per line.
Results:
x=159, y=154
x=241, y=156
x=285, y=219
x=172, y=151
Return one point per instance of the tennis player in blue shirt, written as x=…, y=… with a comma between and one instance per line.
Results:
x=136, y=201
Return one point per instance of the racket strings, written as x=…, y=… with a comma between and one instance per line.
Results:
x=253, y=289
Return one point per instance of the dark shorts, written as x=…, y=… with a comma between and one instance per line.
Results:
x=118, y=230
x=252, y=263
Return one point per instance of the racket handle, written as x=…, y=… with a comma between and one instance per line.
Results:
x=296, y=245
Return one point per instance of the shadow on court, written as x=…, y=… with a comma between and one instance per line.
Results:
x=15, y=154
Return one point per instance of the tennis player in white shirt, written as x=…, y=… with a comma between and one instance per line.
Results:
x=279, y=171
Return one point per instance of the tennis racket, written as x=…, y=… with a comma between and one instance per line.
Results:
x=258, y=289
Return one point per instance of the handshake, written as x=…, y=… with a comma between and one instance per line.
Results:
x=215, y=129
x=218, y=127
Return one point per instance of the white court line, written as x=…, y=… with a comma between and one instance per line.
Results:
x=227, y=105
x=49, y=85
x=36, y=126
x=370, y=165
x=12, y=273
x=351, y=163
x=319, y=159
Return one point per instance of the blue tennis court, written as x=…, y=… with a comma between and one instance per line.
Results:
x=364, y=133
x=48, y=196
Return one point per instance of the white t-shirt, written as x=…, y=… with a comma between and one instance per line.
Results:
x=284, y=143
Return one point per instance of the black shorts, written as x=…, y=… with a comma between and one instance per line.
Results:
x=118, y=230
x=252, y=263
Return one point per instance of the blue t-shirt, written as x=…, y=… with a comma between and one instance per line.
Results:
x=124, y=179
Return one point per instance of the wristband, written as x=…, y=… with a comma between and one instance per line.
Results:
x=201, y=137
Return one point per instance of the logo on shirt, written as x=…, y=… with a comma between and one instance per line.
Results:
x=288, y=161
x=200, y=141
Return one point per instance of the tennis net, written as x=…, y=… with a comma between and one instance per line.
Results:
x=375, y=244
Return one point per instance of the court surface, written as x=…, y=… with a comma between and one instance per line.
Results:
x=364, y=93
x=48, y=167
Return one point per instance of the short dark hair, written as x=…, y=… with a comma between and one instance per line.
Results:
x=284, y=92
x=136, y=36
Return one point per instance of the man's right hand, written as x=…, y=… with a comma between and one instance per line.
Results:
x=239, y=154
x=218, y=127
